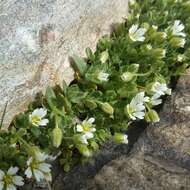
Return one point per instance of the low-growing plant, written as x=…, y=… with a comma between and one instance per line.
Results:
x=122, y=81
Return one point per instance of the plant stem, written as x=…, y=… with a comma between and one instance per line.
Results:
x=28, y=147
x=48, y=184
x=143, y=74
x=147, y=107
x=142, y=87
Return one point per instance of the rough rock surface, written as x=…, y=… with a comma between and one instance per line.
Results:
x=160, y=160
x=36, y=38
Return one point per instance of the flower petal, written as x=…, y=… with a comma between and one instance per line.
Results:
x=38, y=175
x=139, y=115
x=1, y=185
x=28, y=172
x=89, y=135
x=92, y=129
x=79, y=128
x=90, y=120
x=29, y=161
x=41, y=112
x=40, y=156
x=83, y=139
x=44, y=167
x=1, y=174
x=133, y=28
x=43, y=122
x=12, y=170
x=11, y=187
x=18, y=180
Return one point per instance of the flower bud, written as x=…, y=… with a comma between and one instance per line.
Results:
x=121, y=138
x=83, y=149
x=159, y=36
x=127, y=76
x=57, y=137
x=90, y=104
x=152, y=116
x=104, y=56
x=107, y=108
x=155, y=27
x=177, y=42
x=146, y=25
x=94, y=145
x=180, y=58
x=159, y=53
x=148, y=47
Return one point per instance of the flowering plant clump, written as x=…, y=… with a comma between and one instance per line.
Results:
x=121, y=82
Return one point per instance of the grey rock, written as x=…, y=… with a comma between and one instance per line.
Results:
x=160, y=160
x=36, y=38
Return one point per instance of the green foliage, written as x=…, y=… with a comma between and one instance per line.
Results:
x=120, y=82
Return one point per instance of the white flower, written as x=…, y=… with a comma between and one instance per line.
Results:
x=38, y=168
x=137, y=34
x=9, y=180
x=136, y=108
x=87, y=129
x=161, y=89
x=102, y=76
x=155, y=99
x=177, y=29
x=36, y=118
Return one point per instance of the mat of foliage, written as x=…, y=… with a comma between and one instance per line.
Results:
x=122, y=81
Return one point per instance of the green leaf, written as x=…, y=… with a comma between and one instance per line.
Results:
x=128, y=90
x=64, y=87
x=79, y=65
x=35, y=131
x=51, y=97
x=67, y=105
x=75, y=95
x=90, y=54
x=50, y=94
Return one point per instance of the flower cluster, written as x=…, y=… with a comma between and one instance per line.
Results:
x=137, y=107
x=121, y=82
